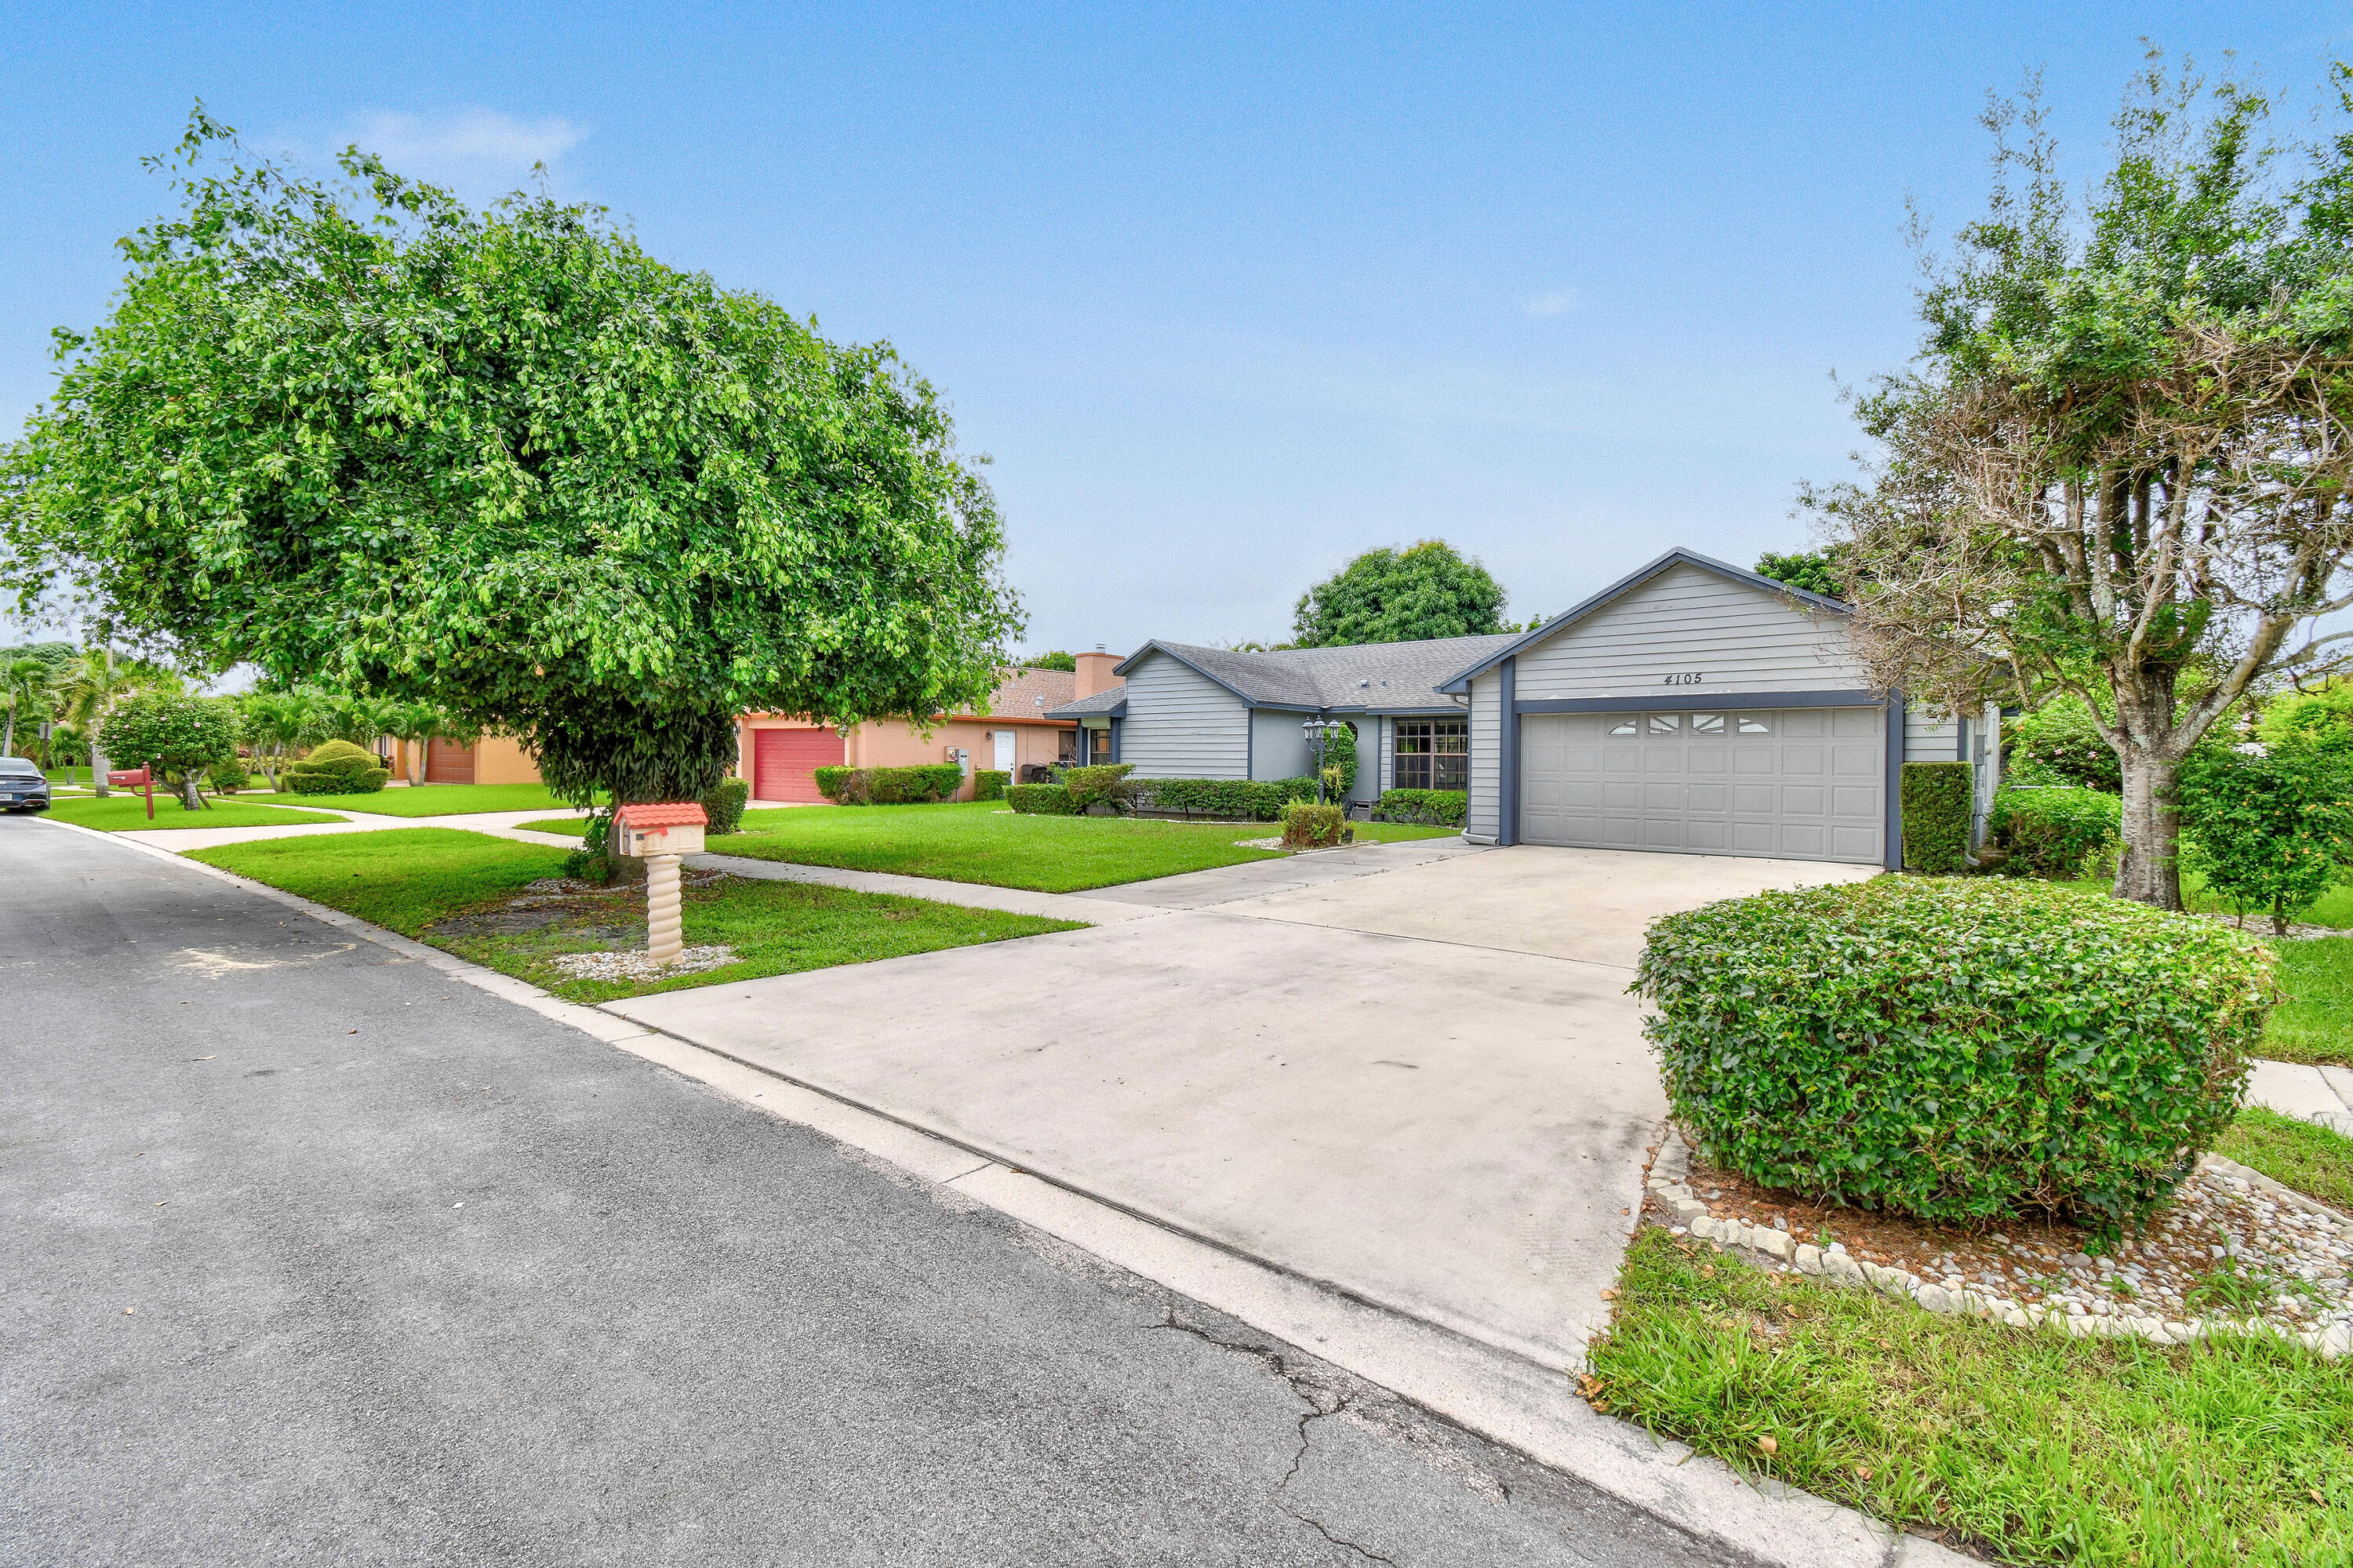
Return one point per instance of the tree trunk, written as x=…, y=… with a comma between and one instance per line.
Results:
x=190, y=786
x=8, y=737
x=97, y=769
x=2150, y=869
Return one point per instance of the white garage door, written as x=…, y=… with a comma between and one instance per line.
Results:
x=1788, y=783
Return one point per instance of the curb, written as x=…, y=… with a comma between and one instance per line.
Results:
x=1516, y=1403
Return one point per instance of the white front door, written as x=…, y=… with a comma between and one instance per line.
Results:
x=1004, y=750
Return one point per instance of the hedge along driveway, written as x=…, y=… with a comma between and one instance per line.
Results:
x=985, y=841
x=425, y=882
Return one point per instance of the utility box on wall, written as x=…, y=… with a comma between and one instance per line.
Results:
x=667, y=829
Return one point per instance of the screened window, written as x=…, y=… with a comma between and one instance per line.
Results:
x=1433, y=753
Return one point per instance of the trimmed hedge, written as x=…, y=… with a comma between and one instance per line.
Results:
x=1104, y=784
x=2058, y=831
x=725, y=806
x=1224, y=800
x=1042, y=800
x=338, y=767
x=989, y=784
x=1439, y=808
x=1306, y=825
x=1957, y=1049
x=1936, y=798
x=890, y=786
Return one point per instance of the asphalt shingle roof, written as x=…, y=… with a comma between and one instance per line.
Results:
x=1381, y=676
x=1016, y=696
x=1102, y=702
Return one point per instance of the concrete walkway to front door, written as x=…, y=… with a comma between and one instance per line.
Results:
x=1449, y=1120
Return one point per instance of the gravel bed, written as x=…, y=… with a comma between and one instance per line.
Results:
x=640, y=966
x=2260, y=1259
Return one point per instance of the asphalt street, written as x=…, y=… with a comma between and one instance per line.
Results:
x=310, y=1254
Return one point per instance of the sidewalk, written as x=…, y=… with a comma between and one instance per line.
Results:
x=2319, y=1095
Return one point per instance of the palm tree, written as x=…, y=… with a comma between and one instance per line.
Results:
x=272, y=723
x=88, y=687
x=24, y=692
x=415, y=724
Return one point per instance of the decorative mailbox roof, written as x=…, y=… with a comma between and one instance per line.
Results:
x=672, y=814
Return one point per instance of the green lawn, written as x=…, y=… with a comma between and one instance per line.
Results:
x=2047, y=1449
x=455, y=889
x=121, y=812
x=431, y=800
x=2312, y=1159
x=981, y=840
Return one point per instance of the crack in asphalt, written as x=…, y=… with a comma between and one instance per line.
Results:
x=1308, y=1392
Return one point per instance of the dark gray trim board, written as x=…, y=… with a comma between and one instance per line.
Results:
x=1893, y=809
x=1664, y=703
x=1507, y=756
x=1677, y=558
x=1115, y=722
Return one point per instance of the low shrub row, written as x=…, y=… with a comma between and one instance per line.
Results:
x=1436, y=808
x=890, y=786
x=1104, y=784
x=1042, y=800
x=1222, y=799
x=725, y=806
x=1955, y=1049
x=990, y=783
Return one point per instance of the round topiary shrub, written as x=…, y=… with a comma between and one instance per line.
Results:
x=338, y=767
x=1955, y=1050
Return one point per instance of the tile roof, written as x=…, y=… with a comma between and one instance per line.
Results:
x=668, y=814
x=1016, y=696
x=1380, y=676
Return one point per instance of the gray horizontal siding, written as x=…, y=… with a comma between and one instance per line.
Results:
x=1182, y=725
x=1486, y=745
x=1686, y=621
x=1930, y=739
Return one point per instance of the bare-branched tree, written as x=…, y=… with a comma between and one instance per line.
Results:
x=2120, y=469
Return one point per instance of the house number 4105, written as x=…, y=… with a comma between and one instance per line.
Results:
x=1690, y=679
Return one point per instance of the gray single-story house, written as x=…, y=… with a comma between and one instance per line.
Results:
x=1690, y=707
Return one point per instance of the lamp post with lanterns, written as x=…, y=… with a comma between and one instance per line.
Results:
x=1318, y=732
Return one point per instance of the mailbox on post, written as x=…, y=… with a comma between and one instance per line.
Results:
x=659, y=835
x=135, y=779
x=662, y=830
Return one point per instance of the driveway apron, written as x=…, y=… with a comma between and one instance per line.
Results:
x=1426, y=1087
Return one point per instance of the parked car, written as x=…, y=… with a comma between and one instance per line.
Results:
x=21, y=788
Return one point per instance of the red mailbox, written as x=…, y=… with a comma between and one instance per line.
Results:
x=136, y=779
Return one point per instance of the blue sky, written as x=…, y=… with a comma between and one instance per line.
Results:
x=1229, y=294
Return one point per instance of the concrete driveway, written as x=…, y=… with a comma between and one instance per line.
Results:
x=1425, y=1086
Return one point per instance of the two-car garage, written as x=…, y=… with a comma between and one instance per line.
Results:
x=1796, y=783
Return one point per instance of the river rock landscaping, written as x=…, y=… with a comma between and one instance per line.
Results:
x=2233, y=1252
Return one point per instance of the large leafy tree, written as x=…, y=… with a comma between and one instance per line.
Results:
x=1424, y=590
x=506, y=463
x=2119, y=467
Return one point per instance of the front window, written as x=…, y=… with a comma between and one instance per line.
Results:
x=1433, y=753
x=1068, y=751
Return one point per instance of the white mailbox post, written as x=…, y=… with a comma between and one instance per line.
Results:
x=660, y=834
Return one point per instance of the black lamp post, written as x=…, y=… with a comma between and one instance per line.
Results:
x=1318, y=733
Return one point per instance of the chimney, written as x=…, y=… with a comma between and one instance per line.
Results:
x=1096, y=671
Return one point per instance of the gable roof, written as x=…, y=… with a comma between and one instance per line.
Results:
x=1111, y=700
x=1376, y=677
x=1461, y=679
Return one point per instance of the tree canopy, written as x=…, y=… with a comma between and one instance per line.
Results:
x=1815, y=571
x=506, y=463
x=2119, y=469
x=1424, y=590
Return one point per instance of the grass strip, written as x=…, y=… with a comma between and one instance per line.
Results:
x=2033, y=1445
x=2313, y=1160
x=455, y=889
x=122, y=814
x=983, y=841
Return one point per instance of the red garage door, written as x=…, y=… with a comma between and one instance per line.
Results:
x=784, y=760
x=446, y=762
